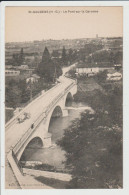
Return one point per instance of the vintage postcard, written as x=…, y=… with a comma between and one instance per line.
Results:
x=63, y=97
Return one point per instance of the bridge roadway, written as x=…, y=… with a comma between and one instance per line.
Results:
x=16, y=130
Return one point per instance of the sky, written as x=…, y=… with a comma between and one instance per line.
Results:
x=22, y=24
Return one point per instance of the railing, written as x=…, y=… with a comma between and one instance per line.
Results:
x=41, y=117
x=17, y=162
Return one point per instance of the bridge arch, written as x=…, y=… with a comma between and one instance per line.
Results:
x=68, y=99
x=53, y=121
x=55, y=113
x=35, y=142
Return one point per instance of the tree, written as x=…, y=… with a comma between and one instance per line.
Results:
x=111, y=57
x=70, y=55
x=72, y=72
x=64, y=57
x=12, y=94
x=14, y=60
x=118, y=57
x=35, y=62
x=93, y=152
x=55, y=53
x=82, y=55
x=47, y=68
x=18, y=59
x=21, y=57
x=46, y=55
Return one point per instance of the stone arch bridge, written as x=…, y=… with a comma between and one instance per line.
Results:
x=49, y=104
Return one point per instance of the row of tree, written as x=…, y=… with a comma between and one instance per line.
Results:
x=67, y=57
x=106, y=56
x=18, y=92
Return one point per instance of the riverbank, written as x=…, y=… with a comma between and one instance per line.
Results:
x=88, y=90
x=51, y=179
x=38, y=165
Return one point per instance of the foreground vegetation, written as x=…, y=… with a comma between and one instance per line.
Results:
x=93, y=143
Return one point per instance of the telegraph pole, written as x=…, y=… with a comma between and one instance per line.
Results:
x=55, y=74
x=30, y=90
x=29, y=83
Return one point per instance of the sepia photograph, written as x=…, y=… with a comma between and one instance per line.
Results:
x=64, y=97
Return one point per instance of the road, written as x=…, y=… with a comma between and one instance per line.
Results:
x=66, y=69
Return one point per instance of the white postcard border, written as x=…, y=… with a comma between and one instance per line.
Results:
x=125, y=5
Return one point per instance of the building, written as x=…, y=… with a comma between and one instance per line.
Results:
x=18, y=72
x=34, y=78
x=114, y=76
x=118, y=66
x=8, y=67
x=90, y=71
x=23, y=67
x=26, y=72
x=12, y=73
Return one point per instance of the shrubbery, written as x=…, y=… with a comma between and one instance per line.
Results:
x=93, y=143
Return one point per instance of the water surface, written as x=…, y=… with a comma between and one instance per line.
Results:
x=55, y=155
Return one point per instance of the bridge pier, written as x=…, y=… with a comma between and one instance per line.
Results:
x=47, y=140
x=64, y=112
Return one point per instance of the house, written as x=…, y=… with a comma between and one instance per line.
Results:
x=8, y=67
x=90, y=71
x=34, y=78
x=26, y=72
x=118, y=66
x=12, y=73
x=23, y=67
x=114, y=76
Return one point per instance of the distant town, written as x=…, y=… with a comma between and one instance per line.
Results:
x=22, y=58
x=37, y=60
